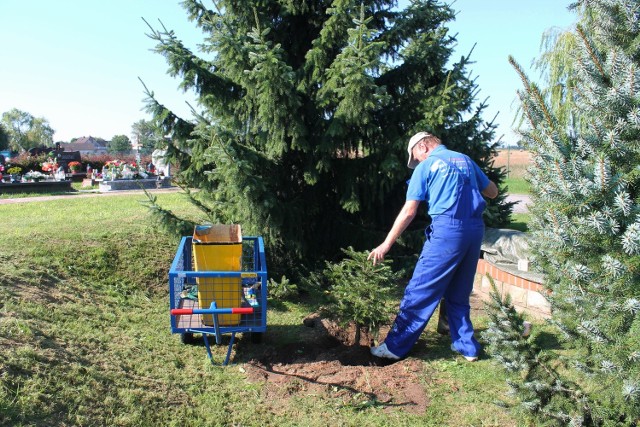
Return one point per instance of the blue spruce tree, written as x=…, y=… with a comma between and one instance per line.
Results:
x=586, y=232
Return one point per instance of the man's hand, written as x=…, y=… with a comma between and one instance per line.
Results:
x=403, y=219
x=377, y=255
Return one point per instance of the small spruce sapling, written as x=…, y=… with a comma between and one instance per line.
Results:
x=360, y=292
x=506, y=336
x=535, y=377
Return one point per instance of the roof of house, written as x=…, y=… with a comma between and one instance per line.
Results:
x=85, y=143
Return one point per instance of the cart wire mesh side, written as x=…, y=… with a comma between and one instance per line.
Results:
x=233, y=301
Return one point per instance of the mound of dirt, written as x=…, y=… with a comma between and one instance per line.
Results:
x=327, y=361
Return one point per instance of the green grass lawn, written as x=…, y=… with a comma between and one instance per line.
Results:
x=519, y=221
x=85, y=337
x=517, y=186
x=76, y=188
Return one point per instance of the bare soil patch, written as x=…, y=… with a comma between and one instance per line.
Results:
x=327, y=362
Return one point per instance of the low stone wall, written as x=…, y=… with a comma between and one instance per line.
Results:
x=134, y=184
x=527, y=296
x=35, y=187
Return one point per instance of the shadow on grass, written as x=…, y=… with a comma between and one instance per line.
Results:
x=30, y=285
x=547, y=341
x=520, y=226
x=51, y=366
x=277, y=305
x=288, y=344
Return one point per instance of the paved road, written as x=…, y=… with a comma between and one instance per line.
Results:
x=87, y=194
x=522, y=202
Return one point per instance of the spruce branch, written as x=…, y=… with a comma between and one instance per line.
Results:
x=170, y=222
x=591, y=51
x=210, y=213
x=533, y=92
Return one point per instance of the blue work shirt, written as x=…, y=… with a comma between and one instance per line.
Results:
x=436, y=182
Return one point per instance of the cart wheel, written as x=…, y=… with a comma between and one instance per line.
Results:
x=187, y=338
x=256, y=337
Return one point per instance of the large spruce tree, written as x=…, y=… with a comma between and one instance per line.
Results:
x=305, y=109
x=586, y=231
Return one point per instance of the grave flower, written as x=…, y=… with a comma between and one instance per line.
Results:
x=112, y=170
x=113, y=163
x=49, y=166
x=75, y=166
x=35, y=176
x=118, y=169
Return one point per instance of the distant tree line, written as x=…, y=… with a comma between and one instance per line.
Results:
x=20, y=131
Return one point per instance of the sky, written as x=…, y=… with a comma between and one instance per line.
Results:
x=78, y=64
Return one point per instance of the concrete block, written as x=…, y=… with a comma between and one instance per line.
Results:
x=537, y=301
x=518, y=295
x=134, y=184
x=523, y=265
x=485, y=285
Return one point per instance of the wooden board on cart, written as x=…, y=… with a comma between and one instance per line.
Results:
x=192, y=320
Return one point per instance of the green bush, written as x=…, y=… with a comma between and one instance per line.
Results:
x=29, y=163
x=284, y=290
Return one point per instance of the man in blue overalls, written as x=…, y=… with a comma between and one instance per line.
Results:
x=452, y=185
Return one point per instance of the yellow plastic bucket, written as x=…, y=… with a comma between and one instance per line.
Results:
x=218, y=248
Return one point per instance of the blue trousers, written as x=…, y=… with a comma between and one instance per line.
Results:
x=446, y=268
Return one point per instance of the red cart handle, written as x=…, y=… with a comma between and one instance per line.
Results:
x=187, y=311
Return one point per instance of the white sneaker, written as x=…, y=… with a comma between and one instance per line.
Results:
x=469, y=358
x=383, y=352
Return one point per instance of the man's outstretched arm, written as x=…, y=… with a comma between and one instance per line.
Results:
x=402, y=221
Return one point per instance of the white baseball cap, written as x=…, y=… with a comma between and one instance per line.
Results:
x=413, y=162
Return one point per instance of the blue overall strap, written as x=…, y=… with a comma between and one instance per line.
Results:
x=469, y=203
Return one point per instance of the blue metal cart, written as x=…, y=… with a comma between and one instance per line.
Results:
x=247, y=287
